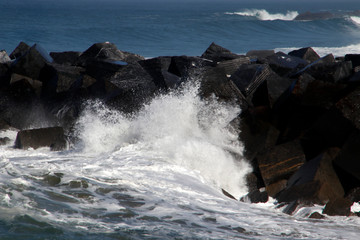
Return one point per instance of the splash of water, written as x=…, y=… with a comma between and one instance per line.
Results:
x=264, y=15
x=179, y=128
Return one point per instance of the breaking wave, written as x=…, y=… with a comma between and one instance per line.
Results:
x=355, y=19
x=264, y=15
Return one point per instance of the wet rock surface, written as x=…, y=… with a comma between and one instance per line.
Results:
x=300, y=119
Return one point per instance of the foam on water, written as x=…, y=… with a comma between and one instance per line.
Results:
x=178, y=127
x=264, y=15
x=355, y=19
x=138, y=178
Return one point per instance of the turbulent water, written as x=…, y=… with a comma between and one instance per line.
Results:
x=157, y=174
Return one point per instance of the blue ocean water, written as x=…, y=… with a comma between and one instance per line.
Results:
x=158, y=174
x=169, y=27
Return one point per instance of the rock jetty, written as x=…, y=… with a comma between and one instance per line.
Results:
x=300, y=119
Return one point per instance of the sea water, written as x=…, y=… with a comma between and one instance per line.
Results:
x=158, y=173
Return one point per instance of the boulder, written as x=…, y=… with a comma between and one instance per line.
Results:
x=316, y=215
x=349, y=106
x=106, y=51
x=217, y=53
x=230, y=66
x=338, y=207
x=327, y=129
x=309, y=16
x=4, y=75
x=306, y=53
x=256, y=196
x=65, y=58
x=354, y=195
x=280, y=161
x=19, y=51
x=214, y=81
x=4, y=58
x=316, y=181
x=132, y=86
x=284, y=64
x=259, y=54
x=274, y=188
x=36, y=85
x=277, y=89
x=158, y=70
x=187, y=67
x=31, y=63
x=52, y=137
x=330, y=72
x=58, y=78
x=347, y=164
x=354, y=59
x=249, y=77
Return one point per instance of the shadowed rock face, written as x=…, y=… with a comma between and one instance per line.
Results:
x=45, y=137
x=300, y=121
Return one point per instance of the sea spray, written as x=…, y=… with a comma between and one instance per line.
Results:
x=180, y=128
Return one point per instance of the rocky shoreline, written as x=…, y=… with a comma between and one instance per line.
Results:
x=300, y=119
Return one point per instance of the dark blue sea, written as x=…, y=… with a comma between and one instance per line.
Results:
x=170, y=27
x=158, y=174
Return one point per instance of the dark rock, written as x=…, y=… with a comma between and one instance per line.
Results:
x=354, y=195
x=338, y=207
x=354, y=59
x=347, y=161
x=36, y=85
x=226, y=193
x=65, y=58
x=188, y=67
x=42, y=137
x=256, y=196
x=277, y=89
x=4, y=125
x=316, y=215
x=58, y=78
x=249, y=77
x=274, y=188
x=307, y=54
x=350, y=107
x=330, y=72
x=309, y=16
x=253, y=182
x=214, y=81
x=230, y=66
x=4, y=58
x=20, y=50
x=257, y=135
x=106, y=51
x=4, y=75
x=52, y=179
x=132, y=86
x=259, y=54
x=284, y=64
x=31, y=63
x=217, y=53
x=158, y=70
x=4, y=140
x=280, y=162
x=330, y=129
x=315, y=181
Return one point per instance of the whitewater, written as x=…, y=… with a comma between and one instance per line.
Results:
x=156, y=174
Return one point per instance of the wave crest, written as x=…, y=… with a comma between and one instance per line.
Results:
x=264, y=15
x=355, y=19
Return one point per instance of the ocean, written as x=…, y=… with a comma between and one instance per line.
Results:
x=158, y=173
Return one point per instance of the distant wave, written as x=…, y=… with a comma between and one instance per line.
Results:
x=355, y=19
x=264, y=15
x=336, y=51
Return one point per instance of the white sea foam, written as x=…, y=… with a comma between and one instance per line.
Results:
x=264, y=15
x=355, y=19
x=323, y=51
x=178, y=127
